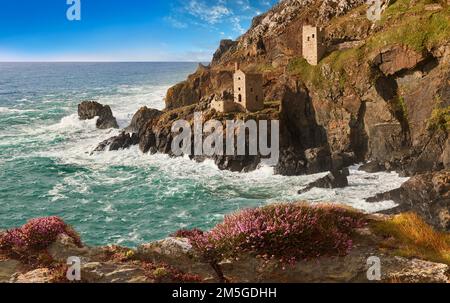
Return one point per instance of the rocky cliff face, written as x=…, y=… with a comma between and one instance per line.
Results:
x=380, y=93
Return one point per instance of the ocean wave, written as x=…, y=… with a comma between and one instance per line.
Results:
x=156, y=194
x=7, y=110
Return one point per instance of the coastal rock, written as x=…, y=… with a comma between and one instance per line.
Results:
x=303, y=142
x=177, y=252
x=335, y=179
x=88, y=110
x=141, y=118
x=64, y=247
x=109, y=272
x=224, y=46
x=248, y=269
x=38, y=276
x=372, y=167
x=318, y=160
x=427, y=194
x=203, y=83
x=122, y=141
x=8, y=268
x=237, y=163
x=396, y=58
x=349, y=269
x=401, y=270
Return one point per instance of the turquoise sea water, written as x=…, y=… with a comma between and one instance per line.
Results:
x=123, y=197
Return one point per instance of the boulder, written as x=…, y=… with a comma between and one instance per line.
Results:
x=318, y=160
x=122, y=141
x=88, y=110
x=335, y=179
x=427, y=194
x=141, y=118
x=372, y=167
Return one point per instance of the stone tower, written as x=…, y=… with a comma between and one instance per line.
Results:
x=313, y=44
x=248, y=90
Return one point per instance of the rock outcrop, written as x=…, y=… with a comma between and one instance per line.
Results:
x=141, y=118
x=335, y=179
x=426, y=194
x=133, y=133
x=88, y=110
x=172, y=259
x=122, y=141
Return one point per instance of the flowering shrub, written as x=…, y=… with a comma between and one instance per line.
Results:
x=37, y=234
x=285, y=232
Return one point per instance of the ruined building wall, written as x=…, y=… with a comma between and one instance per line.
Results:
x=248, y=91
x=240, y=88
x=313, y=44
x=255, y=94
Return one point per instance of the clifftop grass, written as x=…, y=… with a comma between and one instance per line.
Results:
x=403, y=23
x=336, y=62
x=409, y=236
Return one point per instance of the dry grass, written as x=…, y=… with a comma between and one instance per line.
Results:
x=409, y=236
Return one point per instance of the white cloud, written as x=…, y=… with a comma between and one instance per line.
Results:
x=237, y=27
x=210, y=13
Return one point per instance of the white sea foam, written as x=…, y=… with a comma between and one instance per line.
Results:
x=7, y=110
x=262, y=184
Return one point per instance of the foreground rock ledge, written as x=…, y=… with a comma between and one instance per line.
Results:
x=101, y=264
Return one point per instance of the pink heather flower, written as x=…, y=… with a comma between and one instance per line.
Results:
x=37, y=234
x=287, y=232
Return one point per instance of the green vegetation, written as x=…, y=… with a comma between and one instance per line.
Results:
x=402, y=23
x=413, y=26
x=336, y=62
x=440, y=119
x=409, y=236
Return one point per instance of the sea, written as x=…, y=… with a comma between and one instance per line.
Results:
x=126, y=197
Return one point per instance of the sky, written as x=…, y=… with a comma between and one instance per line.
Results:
x=122, y=30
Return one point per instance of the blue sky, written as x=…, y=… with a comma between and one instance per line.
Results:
x=122, y=30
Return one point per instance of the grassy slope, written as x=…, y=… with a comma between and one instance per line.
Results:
x=409, y=236
x=402, y=23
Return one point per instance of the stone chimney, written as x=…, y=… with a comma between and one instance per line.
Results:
x=237, y=66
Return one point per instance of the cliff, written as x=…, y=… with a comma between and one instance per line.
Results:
x=381, y=93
